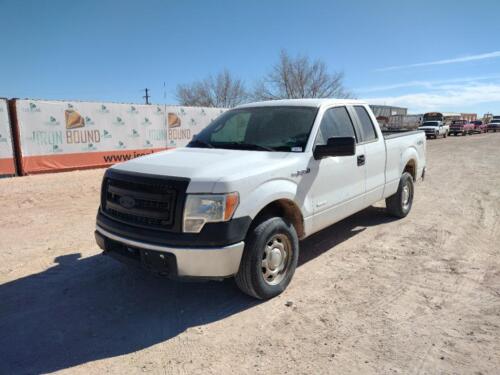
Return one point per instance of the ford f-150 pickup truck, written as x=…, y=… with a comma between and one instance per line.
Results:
x=435, y=129
x=262, y=176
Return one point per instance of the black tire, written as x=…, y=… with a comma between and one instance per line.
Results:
x=250, y=277
x=394, y=204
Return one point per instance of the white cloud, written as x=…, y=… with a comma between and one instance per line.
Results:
x=459, y=98
x=425, y=84
x=482, y=56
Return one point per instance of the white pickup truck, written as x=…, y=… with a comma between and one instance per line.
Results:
x=237, y=200
x=435, y=129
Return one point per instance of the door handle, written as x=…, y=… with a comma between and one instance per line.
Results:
x=361, y=160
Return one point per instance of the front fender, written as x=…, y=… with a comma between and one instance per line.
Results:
x=270, y=191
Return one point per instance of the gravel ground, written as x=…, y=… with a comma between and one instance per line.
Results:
x=371, y=294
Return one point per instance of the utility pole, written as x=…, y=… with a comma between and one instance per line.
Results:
x=147, y=96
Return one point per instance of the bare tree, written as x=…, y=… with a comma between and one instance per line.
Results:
x=223, y=90
x=300, y=78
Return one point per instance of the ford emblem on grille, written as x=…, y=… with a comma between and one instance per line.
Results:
x=127, y=202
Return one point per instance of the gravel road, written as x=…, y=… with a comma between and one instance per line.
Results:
x=371, y=295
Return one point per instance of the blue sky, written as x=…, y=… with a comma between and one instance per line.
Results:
x=425, y=55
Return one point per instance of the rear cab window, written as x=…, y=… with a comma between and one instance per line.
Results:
x=367, y=129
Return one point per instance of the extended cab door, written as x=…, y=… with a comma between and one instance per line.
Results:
x=338, y=183
x=374, y=150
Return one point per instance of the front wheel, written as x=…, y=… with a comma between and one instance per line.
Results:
x=269, y=259
x=399, y=204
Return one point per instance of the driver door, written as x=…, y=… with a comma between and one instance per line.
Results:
x=339, y=182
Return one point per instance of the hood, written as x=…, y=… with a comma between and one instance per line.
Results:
x=205, y=164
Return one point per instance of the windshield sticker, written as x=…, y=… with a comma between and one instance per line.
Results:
x=296, y=149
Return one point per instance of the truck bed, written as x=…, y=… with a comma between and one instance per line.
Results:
x=395, y=133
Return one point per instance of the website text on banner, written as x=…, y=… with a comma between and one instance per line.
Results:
x=59, y=135
x=7, y=166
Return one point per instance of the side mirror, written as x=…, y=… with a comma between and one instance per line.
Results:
x=336, y=146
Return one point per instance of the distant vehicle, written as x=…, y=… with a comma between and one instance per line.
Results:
x=446, y=117
x=479, y=126
x=495, y=119
x=461, y=127
x=494, y=126
x=434, y=129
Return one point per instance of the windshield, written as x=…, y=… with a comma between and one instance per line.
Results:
x=430, y=123
x=259, y=129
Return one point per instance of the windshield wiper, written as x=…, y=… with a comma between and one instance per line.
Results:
x=248, y=146
x=200, y=142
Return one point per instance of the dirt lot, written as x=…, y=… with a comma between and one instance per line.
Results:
x=371, y=295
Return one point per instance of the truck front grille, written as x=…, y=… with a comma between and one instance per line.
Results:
x=142, y=200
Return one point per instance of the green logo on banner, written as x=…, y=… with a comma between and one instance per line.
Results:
x=56, y=149
x=106, y=134
x=148, y=143
x=103, y=109
x=32, y=107
x=52, y=121
x=146, y=121
x=89, y=147
x=134, y=134
x=89, y=121
x=119, y=121
x=159, y=111
x=192, y=122
x=133, y=110
x=121, y=145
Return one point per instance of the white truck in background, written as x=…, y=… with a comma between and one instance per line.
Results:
x=237, y=200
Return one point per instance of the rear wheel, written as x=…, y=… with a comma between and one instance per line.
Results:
x=399, y=204
x=269, y=259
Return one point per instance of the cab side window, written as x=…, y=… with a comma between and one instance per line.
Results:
x=367, y=129
x=336, y=122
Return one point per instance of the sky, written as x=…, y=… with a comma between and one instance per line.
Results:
x=423, y=55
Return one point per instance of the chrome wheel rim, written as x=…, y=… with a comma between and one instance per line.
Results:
x=406, y=197
x=276, y=259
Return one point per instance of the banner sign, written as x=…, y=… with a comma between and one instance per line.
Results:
x=185, y=122
x=7, y=166
x=63, y=135
x=68, y=135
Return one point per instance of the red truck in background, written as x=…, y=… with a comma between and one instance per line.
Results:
x=480, y=127
x=461, y=127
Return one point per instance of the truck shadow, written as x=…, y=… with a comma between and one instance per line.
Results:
x=86, y=309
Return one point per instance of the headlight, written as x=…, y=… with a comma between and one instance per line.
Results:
x=208, y=208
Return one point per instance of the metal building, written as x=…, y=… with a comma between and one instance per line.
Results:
x=388, y=110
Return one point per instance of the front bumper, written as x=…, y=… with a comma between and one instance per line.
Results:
x=211, y=262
